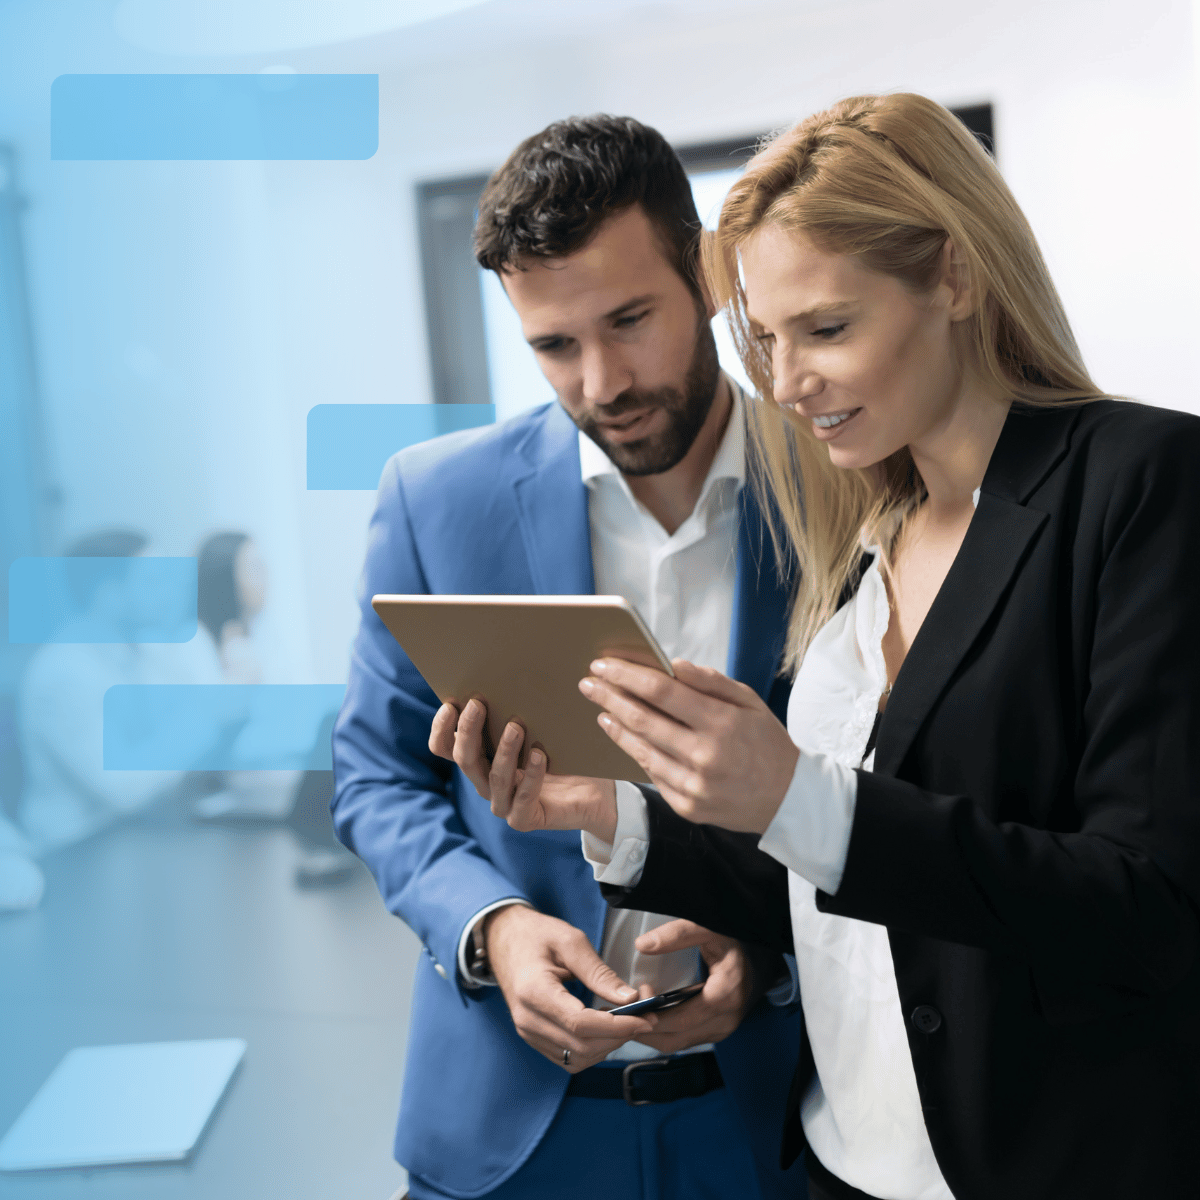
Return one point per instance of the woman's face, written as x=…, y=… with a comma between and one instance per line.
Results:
x=870, y=365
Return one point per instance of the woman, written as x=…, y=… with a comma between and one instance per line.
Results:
x=981, y=838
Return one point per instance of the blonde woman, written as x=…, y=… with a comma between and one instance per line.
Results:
x=979, y=833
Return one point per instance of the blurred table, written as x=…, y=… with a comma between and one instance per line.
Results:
x=159, y=930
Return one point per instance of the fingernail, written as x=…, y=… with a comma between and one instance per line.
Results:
x=627, y=993
x=605, y=721
x=599, y=667
x=536, y=758
x=587, y=687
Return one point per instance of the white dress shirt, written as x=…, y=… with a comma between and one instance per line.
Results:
x=862, y=1112
x=682, y=585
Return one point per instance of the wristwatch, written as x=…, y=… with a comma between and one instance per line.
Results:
x=481, y=968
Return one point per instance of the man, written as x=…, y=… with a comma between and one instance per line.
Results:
x=631, y=484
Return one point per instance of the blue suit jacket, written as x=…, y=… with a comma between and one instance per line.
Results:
x=503, y=510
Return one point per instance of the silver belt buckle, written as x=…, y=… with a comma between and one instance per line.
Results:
x=627, y=1080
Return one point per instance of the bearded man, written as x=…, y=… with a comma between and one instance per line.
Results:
x=518, y=1084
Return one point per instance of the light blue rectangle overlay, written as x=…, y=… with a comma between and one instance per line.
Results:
x=70, y=599
x=348, y=444
x=127, y=117
x=220, y=727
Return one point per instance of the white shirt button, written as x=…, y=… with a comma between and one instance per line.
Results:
x=636, y=855
x=440, y=970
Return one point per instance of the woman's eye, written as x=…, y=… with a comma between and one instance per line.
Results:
x=553, y=346
x=627, y=322
x=829, y=331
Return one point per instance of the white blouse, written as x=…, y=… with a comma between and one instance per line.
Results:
x=862, y=1113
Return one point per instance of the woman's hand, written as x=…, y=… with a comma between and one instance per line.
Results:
x=528, y=798
x=714, y=750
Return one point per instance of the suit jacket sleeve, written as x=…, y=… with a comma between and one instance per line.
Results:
x=719, y=879
x=1105, y=915
x=394, y=802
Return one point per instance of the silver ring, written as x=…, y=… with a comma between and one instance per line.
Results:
x=566, y=1058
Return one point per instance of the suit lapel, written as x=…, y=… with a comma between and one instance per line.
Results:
x=552, y=508
x=996, y=544
x=760, y=602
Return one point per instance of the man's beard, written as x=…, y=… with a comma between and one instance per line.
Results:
x=686, y=412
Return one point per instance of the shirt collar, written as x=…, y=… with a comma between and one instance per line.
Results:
x=728, y=463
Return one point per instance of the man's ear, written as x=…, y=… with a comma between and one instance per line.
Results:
x=955, y=283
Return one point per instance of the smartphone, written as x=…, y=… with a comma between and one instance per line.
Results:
x=659, y=1002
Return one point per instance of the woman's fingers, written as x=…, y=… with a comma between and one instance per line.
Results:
x=713, y=683
x=667, y=772
x=652, y=727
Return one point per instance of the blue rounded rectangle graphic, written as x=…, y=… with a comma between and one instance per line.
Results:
x=129, y=600
x=220, y=727
x=349, y=444
x=211, y=117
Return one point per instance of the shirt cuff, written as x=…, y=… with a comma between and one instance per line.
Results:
x=787, y=990
x=810, y=834
x=620, y=864
x=464, y=942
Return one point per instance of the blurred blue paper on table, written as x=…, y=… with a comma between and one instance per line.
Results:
x=220, y=727
x=93, y=600
x=214, y=117
x=349, y=444
x=105, y=1105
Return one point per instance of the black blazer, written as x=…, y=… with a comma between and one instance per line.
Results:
x=1030, y=835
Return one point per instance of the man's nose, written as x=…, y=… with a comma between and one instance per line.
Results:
x=605, y=377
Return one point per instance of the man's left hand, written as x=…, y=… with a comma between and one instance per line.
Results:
x=732, y=988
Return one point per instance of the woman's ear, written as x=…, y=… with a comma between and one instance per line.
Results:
x=954, y=284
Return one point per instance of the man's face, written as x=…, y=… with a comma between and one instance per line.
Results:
x=623, y=342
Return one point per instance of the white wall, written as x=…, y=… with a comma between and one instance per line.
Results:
x=189, y=315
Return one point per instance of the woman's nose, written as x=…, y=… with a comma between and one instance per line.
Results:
x=793, y=381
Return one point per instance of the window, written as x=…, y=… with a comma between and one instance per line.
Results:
x=477, y=352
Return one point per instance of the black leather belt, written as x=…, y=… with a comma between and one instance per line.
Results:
x=651, y=1080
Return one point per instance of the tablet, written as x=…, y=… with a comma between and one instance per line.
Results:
x=524, y=656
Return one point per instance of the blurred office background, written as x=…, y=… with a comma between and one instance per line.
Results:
x=166, y=327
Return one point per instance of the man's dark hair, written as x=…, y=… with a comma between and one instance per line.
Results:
x=560, y=185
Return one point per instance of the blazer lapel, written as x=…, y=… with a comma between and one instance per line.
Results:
x=997, y=541
x=551, y=504
x=760, y=602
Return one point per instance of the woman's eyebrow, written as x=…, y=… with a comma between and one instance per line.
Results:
x=825, y=308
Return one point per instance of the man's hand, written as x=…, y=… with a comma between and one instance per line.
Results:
x=734, y=985
x=529, y=798
x=533, y=956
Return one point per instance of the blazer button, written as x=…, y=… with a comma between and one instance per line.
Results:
x=926, y=1018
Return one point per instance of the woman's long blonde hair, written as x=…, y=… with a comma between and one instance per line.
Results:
x=886, y=179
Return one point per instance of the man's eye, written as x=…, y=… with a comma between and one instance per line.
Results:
x=830, y=331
